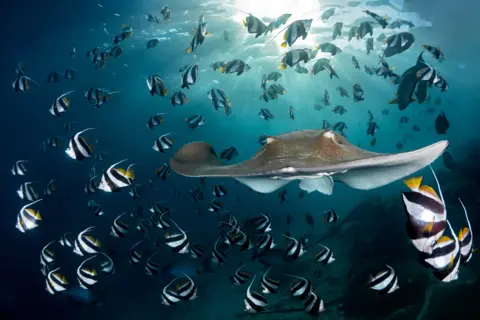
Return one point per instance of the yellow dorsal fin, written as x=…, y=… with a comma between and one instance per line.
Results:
x=451, y=262
x=37, y=215
x=444, y=239
x=428, y=228
x=284, y=36
x=413, y=183
x=429, y=190
x=130, y=174
x=283, y=44
x=122, y=171
x=475, y=250
x=462, y=233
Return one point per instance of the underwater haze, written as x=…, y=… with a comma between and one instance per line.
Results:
x=318, y=117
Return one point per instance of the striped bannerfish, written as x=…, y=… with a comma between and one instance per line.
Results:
x=218, y=256
x=197, y=251
x=265, y=114
x=187, y=290
x=262, y=223
x=331, y=216
x=179, y=99
x=113, y=179
x=91, y=186
x=177, y=241
x=446, y=257
x=219, y=190
x=107, y=266
x=229, y=154
x=47, y=256
x=22, y=83
x=215, y=206
x=78, y=148
x=27, y=218
x=325, y=256
x=19, y=168
x=162, y=172
x=170, y=297
x=269, y=285
x=195, y=121
x=51, y=188
x=219, y=99
x=134, y=256
x=86, y=244
x=314, y=305
x=294, y=249
x=465, y=236
x=235, y=66
x=155, y=120
x=293, y=57
x=240, y=277
x=152, y=268
x=86, y=277
x=95, y=208
x=190, y=76
x=28, y=192
x=265, y=242
x=199, y=36
x=156, y=86
x=67, y=240
x=384, y=282
x=300, y=288
x=61, y=104
x=426, y=214
x=119, y=228
x=163, y=143
x=55, y=282
x=295, y=30
x=254, y=302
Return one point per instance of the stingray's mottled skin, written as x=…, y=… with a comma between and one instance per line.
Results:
x=306, y=154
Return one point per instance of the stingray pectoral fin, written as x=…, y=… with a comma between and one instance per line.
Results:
x=196, y=159
x=374, y=172
x=323, y=184
x=263, y=184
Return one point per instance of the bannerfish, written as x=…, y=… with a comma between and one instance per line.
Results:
x=314, y=157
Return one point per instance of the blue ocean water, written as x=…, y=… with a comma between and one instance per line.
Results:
x=43, y=34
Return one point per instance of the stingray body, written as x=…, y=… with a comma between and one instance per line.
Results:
x=314, y=157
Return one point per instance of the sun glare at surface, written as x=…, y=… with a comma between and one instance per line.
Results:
x=272, y=9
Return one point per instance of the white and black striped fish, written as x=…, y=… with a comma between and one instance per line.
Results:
x=136, y=191
x=28, y=192
x=86, y=277
x=269, y=285
x=119, y=228
x=300, y=288
x=67, y=240
x=215, y=206
x=107, y=266
x=186, y=290
x=229, y=154
x=331, y=216
x=21, y=68
x=237, y=237
x=143, y=225
x=265, y=114
x=265, y=242
x=195, y=121
x=95, y=208
x=218, y=256
x=254, y=302
x=156, y=86
x=227, y=220
x=47, y=256
x=155, y=120
x=325, y=256
x=161, y=221
x=197, y=251
x=152, y=268
x=295, y=30
x=51, y=188
x=163, y=143
x=199, y=36
x=19, y=168
x=314, y=305
x=55, y=282
x=465, y=236
x=219, y=190
x=113, y=179
x=23, y=84
x=190, y=76
x=235, y=66
x=27, y=218
x=293, y=57
x=177, y=241
x=426, y=214
x=78, y=148
x=158, y=209
x=384, y=282
x=91, y=186
x=170, y=297
x=294, y=249
x=61, y=104
x=137, y=211
x=135, y=256
x=219, y=99
x=70, y=74
x=162, y=172
x=240, y=277
x=446, y=257
x=178, y=99
x=262, y=223
x=86, y=244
